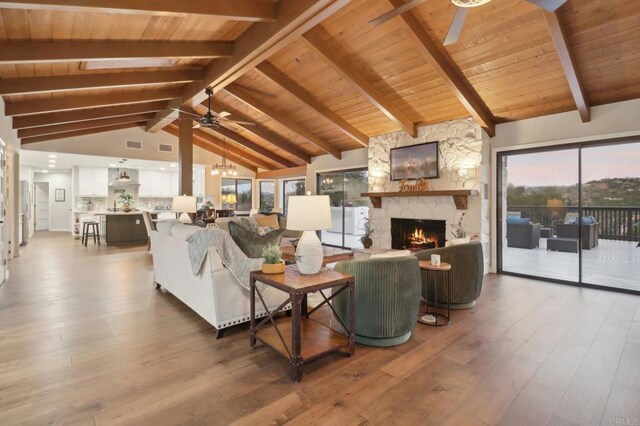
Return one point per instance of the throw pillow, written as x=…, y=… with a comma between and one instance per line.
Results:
x=271, y=221
x=251, y=243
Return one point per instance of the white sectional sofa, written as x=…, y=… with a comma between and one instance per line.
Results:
x=214, y=293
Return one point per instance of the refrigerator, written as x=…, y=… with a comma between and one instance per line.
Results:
x=26, y=205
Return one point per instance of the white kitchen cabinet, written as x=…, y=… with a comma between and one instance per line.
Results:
x=93, y=182
x=174, y=184
x=150, y=183
x=198, y=181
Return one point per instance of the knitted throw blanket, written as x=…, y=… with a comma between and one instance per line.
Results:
x=232, y=257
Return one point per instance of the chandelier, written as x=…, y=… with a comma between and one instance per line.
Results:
x=224, y=169
x=469, y=3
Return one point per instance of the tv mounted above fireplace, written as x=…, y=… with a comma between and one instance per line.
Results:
x=415, y=162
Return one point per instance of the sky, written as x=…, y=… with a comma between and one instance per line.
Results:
x=560, y=168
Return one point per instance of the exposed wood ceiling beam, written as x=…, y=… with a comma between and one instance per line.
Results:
x=262, y=132
x=37, y=120
x=52, y=105
x=241, y=140
x=213, y=144
x=81, y=125
x=255, y=45
x=283, y=173
x=448, y=71
x=299, y=92
x=568, y=64
x=57, y=136
x=15, y=86
x=63, y=51
x=281, y=118
x=236, y=10
x=365, y=88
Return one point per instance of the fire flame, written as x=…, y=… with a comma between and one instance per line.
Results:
x=418, y=238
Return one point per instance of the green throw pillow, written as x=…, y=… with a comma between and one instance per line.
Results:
x=250, y=242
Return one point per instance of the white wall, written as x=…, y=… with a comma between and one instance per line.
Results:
x=9, y=138
x=621, y=119
x=26, y=173
x=59, y=212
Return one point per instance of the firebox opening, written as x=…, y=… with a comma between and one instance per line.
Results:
x=417, y=234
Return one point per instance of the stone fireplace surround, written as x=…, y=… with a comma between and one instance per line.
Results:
x=462, y=144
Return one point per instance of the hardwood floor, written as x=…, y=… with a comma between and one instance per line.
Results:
x=85, y=339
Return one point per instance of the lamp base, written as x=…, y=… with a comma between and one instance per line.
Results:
x=309, y=255
x=185, y=218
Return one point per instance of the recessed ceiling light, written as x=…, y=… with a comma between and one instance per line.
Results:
x=52, y=165
x=45, y=171
x=113, y=165
x=162, y=168
x=52, y=161
x=174, y=165
x=52, y=156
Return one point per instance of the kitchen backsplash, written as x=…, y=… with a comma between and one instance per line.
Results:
x=101, y=204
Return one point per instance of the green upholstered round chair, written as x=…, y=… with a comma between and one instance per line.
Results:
x=466, y=274
x=387, y=299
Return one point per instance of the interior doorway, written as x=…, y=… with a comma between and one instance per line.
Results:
x=42, y=206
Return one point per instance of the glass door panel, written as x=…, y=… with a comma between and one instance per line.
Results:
x=332, y=184
x=610, y=219
x=538, y=205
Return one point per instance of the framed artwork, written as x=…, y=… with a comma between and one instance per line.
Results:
x=415, y=162
x=59, y=195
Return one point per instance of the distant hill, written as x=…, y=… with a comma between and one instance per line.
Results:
x=615, y=192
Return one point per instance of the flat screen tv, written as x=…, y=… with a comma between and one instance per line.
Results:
x=415, y=162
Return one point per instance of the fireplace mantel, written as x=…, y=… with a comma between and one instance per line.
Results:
x=460, y=196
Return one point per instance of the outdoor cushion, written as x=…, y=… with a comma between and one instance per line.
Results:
x=518, y=220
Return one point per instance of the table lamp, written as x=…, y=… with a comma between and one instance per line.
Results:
x=184, y=204
x=231, y=200
x=309, y=213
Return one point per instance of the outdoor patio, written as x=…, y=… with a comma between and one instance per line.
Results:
x=612, y=263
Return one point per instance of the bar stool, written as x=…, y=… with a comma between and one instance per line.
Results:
x=90, y=228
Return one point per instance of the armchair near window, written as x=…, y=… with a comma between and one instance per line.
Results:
x=589, y=229
x=521, y=233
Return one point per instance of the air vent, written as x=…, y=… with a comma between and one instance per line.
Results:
x=134, y=145
x=164, y=147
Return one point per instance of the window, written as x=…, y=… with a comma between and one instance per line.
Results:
x=240, y=191
x=267, y=195
x=289, y=188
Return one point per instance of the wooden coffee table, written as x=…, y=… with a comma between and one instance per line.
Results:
x=330, y=254
x=301, y=338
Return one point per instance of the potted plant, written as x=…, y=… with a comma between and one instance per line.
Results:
x=366, y=240
x=127, y=202
x=273, y=263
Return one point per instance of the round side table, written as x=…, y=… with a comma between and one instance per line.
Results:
x=427, y=266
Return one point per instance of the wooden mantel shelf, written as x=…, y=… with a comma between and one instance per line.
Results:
x=460, y=196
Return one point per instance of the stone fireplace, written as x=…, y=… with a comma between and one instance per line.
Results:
x=464, y=156
x=417, y=234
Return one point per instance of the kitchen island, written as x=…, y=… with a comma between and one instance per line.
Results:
x=124, y=228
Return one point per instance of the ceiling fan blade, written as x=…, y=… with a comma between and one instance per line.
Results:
x=549, y=5
x=395, y=12
x=223, y=114
x=185, y=112
x=456, y=26
x=244, y=123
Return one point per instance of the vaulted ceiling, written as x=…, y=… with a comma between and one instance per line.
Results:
x=313, y=75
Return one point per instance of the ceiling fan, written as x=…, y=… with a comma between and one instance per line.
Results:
x=211, y=119
x=458, y=20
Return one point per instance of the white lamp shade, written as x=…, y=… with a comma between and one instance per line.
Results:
x=184, y=204
x=308, y=213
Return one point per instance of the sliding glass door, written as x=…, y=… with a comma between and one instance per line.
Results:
x=349, y=210
x=572, y=214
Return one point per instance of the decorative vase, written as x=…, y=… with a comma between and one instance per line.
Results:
x=367, y=242
x=273, y=268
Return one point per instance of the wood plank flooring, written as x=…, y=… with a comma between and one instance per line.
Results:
x=85, y=339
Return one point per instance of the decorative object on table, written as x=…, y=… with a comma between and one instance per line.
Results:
x=435, y=259
x=415, y=162
x=309, y=213
x=458, y=233
x=127, y=202
x=251, y=243
x=184, y=204
x=60, y=198
x=273, y=263
x=366, y=240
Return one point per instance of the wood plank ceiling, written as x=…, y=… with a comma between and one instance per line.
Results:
x=313, y=75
